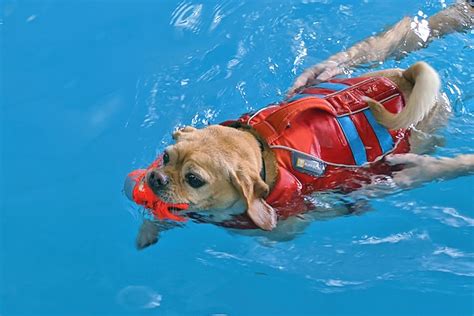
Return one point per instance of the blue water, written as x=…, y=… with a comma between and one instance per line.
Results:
x=92, y=89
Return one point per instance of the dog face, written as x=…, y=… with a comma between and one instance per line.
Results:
x=212, y=169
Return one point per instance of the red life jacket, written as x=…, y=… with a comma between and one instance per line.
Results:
x=326, y=138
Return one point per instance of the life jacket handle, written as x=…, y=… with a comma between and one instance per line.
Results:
x=281, y=119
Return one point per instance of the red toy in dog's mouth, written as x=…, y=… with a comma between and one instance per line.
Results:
x=138, y=191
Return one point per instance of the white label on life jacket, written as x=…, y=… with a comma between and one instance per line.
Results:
x=307, y=164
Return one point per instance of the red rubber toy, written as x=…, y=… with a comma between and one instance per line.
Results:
x=137, y=190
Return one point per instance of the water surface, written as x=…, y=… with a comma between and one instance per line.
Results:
x=92, y=89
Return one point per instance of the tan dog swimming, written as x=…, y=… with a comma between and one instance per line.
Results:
x=219, y=167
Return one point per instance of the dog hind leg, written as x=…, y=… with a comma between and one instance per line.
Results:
x=419, y=169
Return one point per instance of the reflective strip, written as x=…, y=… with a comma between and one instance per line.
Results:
x=353, y=138
x=383, y=136
x=336, y=86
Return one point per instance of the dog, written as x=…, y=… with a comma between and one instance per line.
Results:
x=228, y=173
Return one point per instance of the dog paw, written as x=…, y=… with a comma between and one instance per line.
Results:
x=314, y=75
x=147, y=235
x=408, y=160
x=417, y=169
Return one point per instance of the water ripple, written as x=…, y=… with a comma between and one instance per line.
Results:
x=451, y=252
x=205, y=117
x=187, y=16
x=456, y=219
x=459, y=268
x=446, y=215
x=223, y=255
x=301, y=51
x=152, y=115
x=392, y=239
x=217, y=17
x=340, y=283
x=240, y=54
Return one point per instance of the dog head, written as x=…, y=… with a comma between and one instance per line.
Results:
x=212, y=169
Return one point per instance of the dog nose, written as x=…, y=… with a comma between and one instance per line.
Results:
x=157, y=179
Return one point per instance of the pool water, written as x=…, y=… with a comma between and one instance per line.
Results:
x=91, y=90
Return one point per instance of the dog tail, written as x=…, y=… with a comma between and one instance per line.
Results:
x=422, y=99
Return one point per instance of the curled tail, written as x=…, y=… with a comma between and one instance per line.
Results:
x=421, y=101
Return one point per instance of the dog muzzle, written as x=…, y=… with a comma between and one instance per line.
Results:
x=138, y=191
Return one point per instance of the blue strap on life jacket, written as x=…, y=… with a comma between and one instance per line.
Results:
x=336, y=86
x=353, y=138
x=383, y=136
x=351, y=134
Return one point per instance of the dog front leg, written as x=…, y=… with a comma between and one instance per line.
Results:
x=149, y=232
x=147, y=235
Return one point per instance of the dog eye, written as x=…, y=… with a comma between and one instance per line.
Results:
x=166, y=158
x=194, y=181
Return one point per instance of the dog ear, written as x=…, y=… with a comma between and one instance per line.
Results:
x=253, y=190
x=182, y=132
